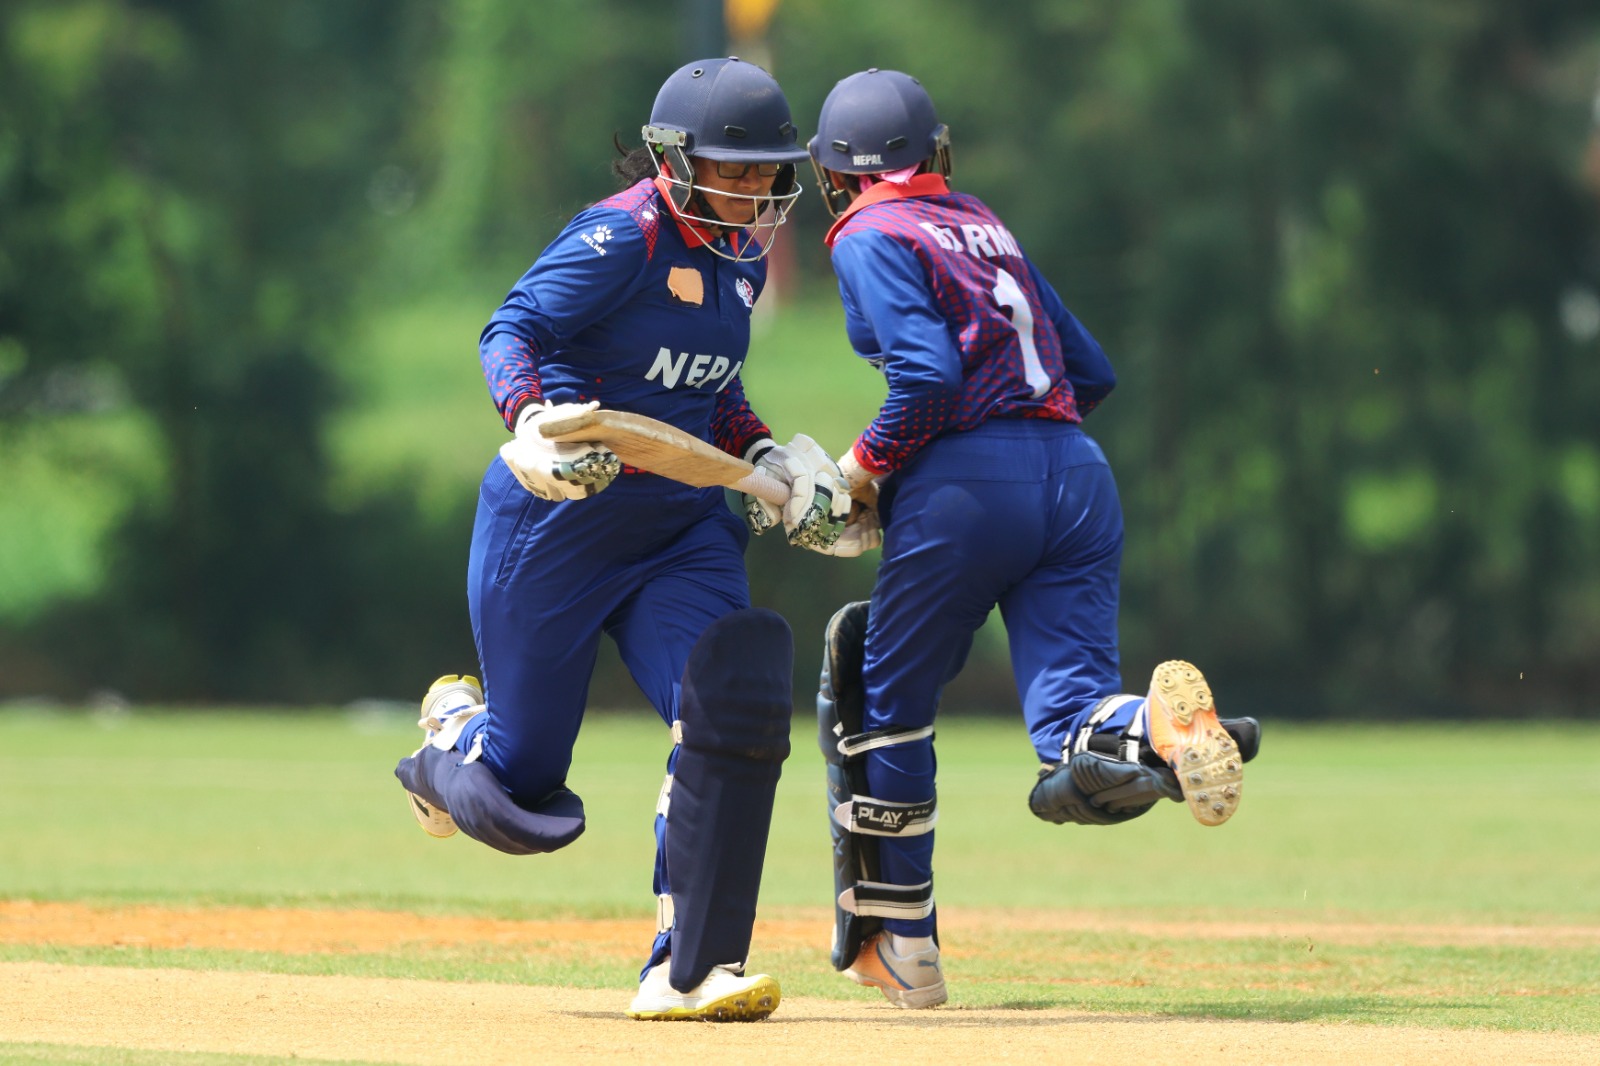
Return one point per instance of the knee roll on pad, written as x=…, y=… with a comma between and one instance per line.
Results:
x=858, y=819
x=733, y=716
x=483, y=809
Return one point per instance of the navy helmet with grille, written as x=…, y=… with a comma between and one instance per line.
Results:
x=728, y=111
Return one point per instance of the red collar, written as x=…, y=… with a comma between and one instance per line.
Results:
x=921, y=185
x=694, y=234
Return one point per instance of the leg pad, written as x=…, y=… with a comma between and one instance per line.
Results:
x=734, y=714
x=862, y=900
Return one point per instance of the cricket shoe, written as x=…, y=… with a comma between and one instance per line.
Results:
x=1184, y=731
x=911, y=980
x=451, y=702
x=724, y=996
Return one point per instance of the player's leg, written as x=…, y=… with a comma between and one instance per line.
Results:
x=498, y=768
x=1101, y=762
x=720, y=674
x=1061, y=622
x=945, y=564
x=733, y=727
x=907, y=969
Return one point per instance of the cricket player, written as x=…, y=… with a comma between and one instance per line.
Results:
x=641, y=304
x=990, y=494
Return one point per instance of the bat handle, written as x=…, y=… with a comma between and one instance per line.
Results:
x=763, y=486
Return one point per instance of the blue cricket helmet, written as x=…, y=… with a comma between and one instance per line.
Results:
x=872, y=122
x=725, y=110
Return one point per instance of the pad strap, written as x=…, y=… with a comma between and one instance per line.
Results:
x=885, y=818
x=859, y=744
x=664, y=799
x=1103, y=712
x=888, y=901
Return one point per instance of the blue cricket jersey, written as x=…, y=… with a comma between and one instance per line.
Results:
x=939, y=296
x=626, y=307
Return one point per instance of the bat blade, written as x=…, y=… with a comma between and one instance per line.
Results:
x=653, y=445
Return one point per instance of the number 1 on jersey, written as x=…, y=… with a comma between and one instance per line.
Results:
x=1014, y=302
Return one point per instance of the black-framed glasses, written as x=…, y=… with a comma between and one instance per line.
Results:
x=728, y=170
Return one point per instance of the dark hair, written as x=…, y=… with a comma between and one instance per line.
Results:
x=635, y=164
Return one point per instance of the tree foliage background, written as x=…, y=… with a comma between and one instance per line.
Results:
x=1344, y=254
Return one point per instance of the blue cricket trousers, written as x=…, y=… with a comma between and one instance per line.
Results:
x=1022, y=514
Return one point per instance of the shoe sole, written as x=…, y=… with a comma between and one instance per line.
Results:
x=750, y=1005
x=1185, y=732
x=434, y=822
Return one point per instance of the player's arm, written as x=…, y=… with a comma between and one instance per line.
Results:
x=734, y=426
x=1087, y=367
x=891, y=319
x=575, y=282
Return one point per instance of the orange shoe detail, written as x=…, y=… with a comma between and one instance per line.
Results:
x=1184, y=731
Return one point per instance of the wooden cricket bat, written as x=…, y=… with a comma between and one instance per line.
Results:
x=653, y=445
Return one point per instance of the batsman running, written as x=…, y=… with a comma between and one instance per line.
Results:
x=989, y=493
x=642, y=304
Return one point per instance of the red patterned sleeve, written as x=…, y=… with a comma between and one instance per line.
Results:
x=734, y=426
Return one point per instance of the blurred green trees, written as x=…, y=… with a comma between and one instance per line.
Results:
x=1342, y=254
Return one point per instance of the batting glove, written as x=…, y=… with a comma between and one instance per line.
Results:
x=765, y=455
x=862, y=533
x=556, y=470
x=818, y=504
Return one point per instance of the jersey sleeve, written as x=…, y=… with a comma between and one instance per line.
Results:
x=585, y=274
x=891, y=320
x=734, y=426
x=1087, y=368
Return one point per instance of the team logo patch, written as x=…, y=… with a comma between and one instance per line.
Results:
x=746, y=291
x=686, y=285
x=601, y=234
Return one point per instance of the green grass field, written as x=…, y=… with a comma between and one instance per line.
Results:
x=1417, y=827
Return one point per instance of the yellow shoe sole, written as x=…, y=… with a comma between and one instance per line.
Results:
x=1185, y=732
x=750, y=1005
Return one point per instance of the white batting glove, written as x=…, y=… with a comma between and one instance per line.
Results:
x=556, y=470
x=818, y=503
x=862, y=533
x=765, y=455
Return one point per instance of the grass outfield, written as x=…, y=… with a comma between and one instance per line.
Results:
x=1463, y=831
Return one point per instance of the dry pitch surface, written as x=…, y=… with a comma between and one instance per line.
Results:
x=428, y=1022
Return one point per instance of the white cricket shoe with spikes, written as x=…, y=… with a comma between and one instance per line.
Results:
x=452, y=701
x=905, y=969
x=724, y=996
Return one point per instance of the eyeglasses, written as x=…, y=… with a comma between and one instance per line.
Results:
x=731, y=171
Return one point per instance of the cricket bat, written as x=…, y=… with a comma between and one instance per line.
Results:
x=653, y=445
